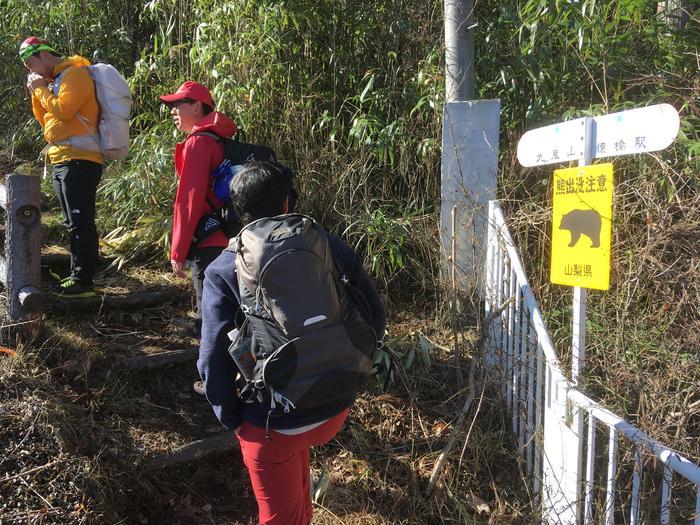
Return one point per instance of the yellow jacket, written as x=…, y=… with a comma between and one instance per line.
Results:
x=69, y=118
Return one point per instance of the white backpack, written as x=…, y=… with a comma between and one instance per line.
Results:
x=114, y=98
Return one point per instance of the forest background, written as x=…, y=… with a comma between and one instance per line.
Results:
x=350, y=95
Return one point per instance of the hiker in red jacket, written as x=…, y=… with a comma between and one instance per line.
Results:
x=192, y=109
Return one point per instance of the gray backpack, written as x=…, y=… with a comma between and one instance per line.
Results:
x=305, y=343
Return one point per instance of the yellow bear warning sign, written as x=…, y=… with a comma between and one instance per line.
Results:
x=581, y=225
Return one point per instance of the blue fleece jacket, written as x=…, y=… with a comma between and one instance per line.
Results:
x=217, y=368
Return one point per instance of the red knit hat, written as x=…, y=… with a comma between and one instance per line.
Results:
x=191, y=90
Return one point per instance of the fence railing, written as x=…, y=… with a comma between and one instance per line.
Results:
x=20, y=268
x=576, y=476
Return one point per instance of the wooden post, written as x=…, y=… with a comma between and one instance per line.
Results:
x=22, y=274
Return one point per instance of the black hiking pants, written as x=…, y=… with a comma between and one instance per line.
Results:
x=199, y=260
x=75, y=183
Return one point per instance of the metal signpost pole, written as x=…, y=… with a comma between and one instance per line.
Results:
x=578, y=339
x=578, y=343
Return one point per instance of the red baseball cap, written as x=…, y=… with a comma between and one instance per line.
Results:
x=191, y=90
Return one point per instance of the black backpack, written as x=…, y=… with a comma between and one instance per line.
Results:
x=236, y=154
x=305, y=343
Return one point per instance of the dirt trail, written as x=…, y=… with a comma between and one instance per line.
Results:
x=77, y=429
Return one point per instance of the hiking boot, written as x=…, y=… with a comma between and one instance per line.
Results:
x=69, y=288
x=198, y=388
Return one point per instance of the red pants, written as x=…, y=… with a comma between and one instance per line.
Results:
x=279, y=470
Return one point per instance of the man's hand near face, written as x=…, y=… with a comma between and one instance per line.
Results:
x=34, y=80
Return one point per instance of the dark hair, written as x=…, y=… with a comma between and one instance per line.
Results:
x=206, y=109
x=259, y=190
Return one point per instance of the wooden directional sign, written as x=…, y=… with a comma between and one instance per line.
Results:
x=581, y=226
x=638, y=130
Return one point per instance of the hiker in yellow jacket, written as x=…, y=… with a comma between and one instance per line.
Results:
x=64, y=103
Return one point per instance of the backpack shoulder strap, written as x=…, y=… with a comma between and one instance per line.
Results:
x=209, y=134
x=57, y=81
x=216, y=137
x=211, y=204
x=232, y=245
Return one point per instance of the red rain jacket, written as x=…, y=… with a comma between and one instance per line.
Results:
x=195, y=158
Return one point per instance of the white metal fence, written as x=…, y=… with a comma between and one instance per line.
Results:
x=576, y=474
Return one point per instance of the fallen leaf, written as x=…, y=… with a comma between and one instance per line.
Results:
x=439, y=427
x=478, y=504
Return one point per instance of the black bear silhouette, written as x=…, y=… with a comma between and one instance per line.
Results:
x=586, y=222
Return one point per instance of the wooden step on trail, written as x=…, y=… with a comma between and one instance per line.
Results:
x=129, y=301
x=60, y=261
x=194, y=451
x=198, y=449
x=160, y=359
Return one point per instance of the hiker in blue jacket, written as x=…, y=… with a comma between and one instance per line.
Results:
x=278, y=465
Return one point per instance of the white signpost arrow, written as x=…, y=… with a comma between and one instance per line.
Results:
x=640, y=130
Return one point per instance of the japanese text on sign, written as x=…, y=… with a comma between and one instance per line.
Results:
x=581, y=224
x=602, y=149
